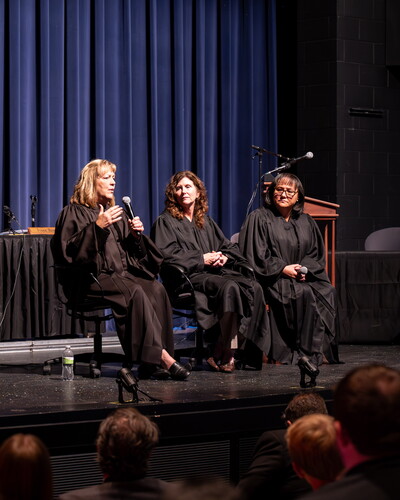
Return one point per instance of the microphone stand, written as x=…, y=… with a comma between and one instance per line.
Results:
x=309, y=369
x=10, y=217
x=126, y=380
x=33, y=210
x=260, y=161
x=259, y=153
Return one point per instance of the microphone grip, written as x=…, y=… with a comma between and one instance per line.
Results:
x=130, y=213
x=129, y=210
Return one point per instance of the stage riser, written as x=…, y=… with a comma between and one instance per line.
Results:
x=226, y=458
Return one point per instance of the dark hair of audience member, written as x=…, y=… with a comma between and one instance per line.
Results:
x=202, y=488
x=25, y=469
x=124, y=442
x=305, y=403
x=367, y=404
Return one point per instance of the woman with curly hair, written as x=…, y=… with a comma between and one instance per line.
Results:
x=225, y=299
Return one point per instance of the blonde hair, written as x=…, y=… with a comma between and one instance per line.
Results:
x=85, y=188
x=312, y=446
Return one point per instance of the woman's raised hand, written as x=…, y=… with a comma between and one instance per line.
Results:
x=109, y=216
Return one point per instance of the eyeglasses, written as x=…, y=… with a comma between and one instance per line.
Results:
x=289, y=192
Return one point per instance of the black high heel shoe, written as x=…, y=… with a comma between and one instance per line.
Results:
x=178, y=372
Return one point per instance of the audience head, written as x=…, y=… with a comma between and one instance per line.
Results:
x=172, y=205
x=313, y=450
x=294, y=182
x=124, y=442
x=202, y=488
x=25, y=469
x=304, y=403
x=85, y=190
x=367, y=408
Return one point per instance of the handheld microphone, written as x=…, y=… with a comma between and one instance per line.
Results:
x=129, y=210
x=128, y=207
x=302, y=270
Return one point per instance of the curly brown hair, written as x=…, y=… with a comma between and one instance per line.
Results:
x=201, y=204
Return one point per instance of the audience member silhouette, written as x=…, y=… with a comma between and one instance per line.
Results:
x=271, y=474
x=202, y=488
x=125, y=441
x=313, y=450
x=367, y=413
x=25, y=469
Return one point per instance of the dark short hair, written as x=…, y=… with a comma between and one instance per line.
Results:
x=124, y=442
x=367, y=404
x=298, y=186
x=304, y=403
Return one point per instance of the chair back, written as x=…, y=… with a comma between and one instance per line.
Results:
x=387, y=239
x=178, y=286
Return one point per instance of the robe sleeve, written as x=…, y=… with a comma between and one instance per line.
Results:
x=143, y=254
x=78, y=240
x=255, y=242
x=224, y=245
x=314, y=254
x=184, y=253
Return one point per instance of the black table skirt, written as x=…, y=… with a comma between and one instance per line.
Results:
x=28, y=298
x=368, y=286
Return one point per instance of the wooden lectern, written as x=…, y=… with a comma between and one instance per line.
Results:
x=327, y=213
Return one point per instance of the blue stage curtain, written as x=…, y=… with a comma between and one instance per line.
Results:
x=156, y=86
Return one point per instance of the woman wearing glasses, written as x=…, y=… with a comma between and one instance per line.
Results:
x=278, y=239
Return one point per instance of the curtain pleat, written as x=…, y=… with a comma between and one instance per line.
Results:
x=156, y=86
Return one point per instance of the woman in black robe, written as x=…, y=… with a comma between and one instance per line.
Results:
x=188, y=237
x=97, y=244
x=278, y=239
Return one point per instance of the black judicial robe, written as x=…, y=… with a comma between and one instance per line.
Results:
x=217, y=290
x=124, y=270
x=302, y=314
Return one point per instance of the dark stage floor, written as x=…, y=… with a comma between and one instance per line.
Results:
x=209, y=424
x=25, y=391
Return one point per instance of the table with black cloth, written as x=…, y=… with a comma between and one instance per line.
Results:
x=29, y=307
x=368, y=287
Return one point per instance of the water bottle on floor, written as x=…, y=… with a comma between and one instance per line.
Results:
x=68, y=364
